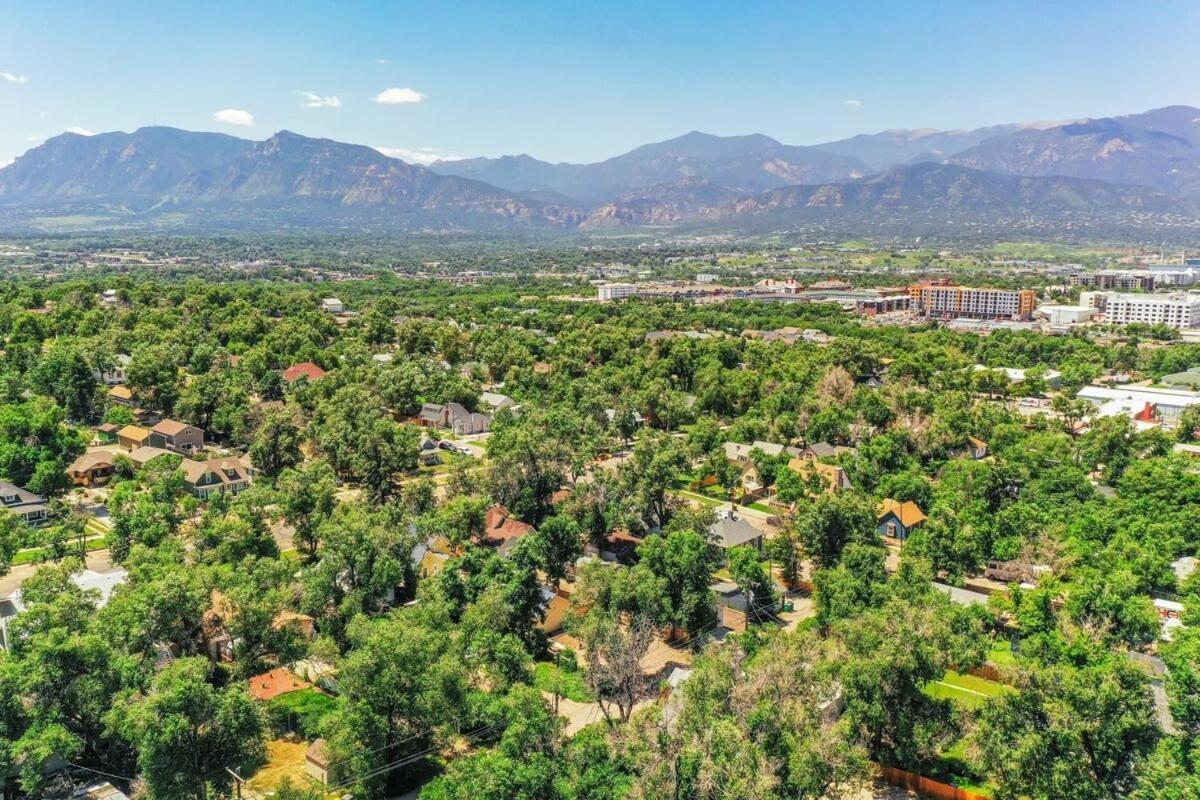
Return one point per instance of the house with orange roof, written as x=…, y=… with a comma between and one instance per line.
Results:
x=305, y=369
x=896, y=519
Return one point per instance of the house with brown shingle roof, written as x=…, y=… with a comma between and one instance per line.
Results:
x=92, y=469
x=897, y=520
x=206, y=478
x=171, y=434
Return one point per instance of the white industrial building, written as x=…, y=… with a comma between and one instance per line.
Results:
x=1065, y=315
x=1145, y=406
x=617, y=291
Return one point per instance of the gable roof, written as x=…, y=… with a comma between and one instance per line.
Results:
x=120, y=392
x=501, y=528
x=834, y=476
x=908, y=512
x=170, y=427
x=731, y=530
x=194, y=471
x=145, y=454
x=305, y=369
x=89, y=461
x=135, y=432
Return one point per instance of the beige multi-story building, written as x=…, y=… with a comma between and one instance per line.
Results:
x=941, y=299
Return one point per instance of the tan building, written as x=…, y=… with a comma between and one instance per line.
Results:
x=91, y=469
x=942, y=299
x=178, y=436
x=131, y=437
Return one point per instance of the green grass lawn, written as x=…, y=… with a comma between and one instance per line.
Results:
x=966, y=690
x=570, y=684
x=699, y=498
x=35, y=554
x=1002, y=655
x=954, y=767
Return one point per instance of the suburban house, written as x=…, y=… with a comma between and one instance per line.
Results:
x=824, y=450
x=732, y=530
x=92, y=469
x=131, y=437
x=305, y=369
x=178, y=436
x=121, y=395
x=114, y=375
x=610, y=414
x=428, y=454
x=332, y=305
x=430, y=556
x=502, y=531
x=25, y=504
x=142, y=456
x=831, y=476
x=455, y=417
x=106, y=433
x=897, y=520
x=976, y=448
x=740, y=453
x=206, y=478
x=496, y=401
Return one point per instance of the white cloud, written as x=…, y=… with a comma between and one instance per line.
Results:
x=80, y=131
x=4, y=164
x=234, y=116
x=852, y=103
x=33, y=138
x=11, y=78
x=395, y=97
x=419, y=155
x=314, y=100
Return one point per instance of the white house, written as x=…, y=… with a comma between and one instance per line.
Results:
x=332, y=305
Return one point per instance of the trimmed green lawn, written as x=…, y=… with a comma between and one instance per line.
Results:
x=699, y=498
x=570, y=684
x=966, y=690
x=35, y=554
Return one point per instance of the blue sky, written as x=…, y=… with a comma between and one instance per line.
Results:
x=581, y=81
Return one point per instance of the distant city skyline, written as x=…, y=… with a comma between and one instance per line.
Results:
x=580, y=83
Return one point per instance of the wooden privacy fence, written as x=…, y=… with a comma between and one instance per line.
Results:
x=926, y=787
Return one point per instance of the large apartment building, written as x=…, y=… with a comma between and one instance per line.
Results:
x=1177, y=310
x=1113, y=279
x=942, y=299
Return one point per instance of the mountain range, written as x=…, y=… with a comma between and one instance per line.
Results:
x=1131, y=173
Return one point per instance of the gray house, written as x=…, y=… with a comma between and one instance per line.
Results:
x=25, y=504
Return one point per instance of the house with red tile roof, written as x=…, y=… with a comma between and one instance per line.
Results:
x=305, y=369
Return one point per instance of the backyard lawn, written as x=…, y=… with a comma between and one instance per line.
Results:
x=966, y=690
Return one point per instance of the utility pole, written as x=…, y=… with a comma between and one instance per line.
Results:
x=557, y=679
